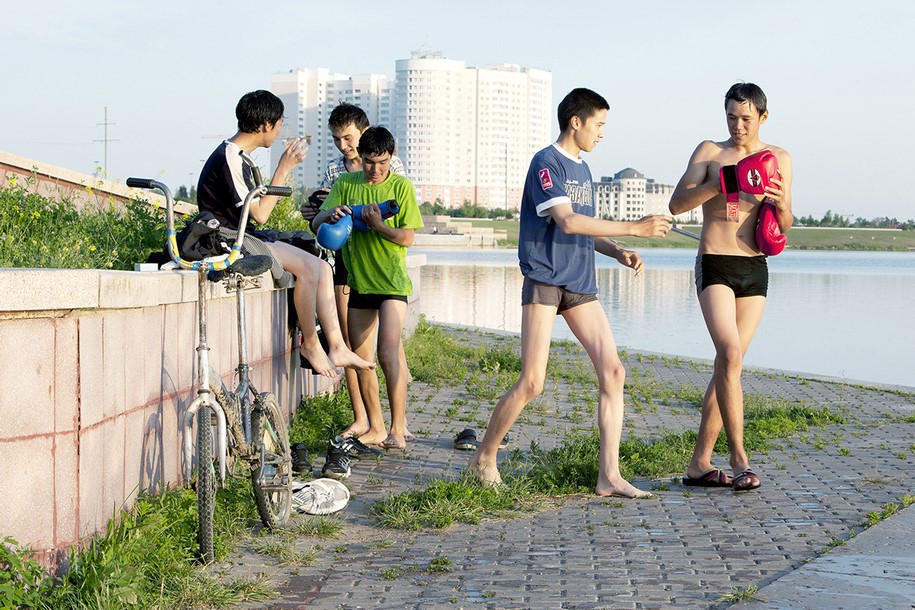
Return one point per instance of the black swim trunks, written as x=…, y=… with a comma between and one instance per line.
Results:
x=747, y=276
x=357, y=300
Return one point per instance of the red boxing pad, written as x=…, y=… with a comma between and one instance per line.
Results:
x=769, y=237
x=751, y=175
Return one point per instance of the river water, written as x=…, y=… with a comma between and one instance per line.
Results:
x=842, y=314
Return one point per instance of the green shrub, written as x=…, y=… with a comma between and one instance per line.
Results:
x=39, y=232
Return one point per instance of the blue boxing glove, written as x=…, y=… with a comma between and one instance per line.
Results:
x=388, y=208
x=332, y=235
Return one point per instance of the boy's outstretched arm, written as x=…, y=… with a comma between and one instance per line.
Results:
x=571, y=222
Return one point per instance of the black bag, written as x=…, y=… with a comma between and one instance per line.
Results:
x=199, y=239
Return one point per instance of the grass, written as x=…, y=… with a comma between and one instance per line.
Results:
x=284, y=552
x=320, y=419
x=39, y=232
x=146, y=558
x=317, y=527
x=740, y=595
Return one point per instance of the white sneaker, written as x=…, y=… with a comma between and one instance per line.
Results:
x=321, y=497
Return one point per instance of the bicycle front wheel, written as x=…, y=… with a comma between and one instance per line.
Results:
x=272, y=478
x=206, y=483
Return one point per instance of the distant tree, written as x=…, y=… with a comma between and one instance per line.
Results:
x=183, y=194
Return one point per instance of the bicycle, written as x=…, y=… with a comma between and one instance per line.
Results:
x=249, y=423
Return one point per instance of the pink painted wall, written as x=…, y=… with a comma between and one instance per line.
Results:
x=92, y=402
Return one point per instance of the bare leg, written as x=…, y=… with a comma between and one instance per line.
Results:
x=731, y=323
x=360, y=423
x=536, y=329
x=314, y=294
x=390, y=356
x=590, y=326
x=363, y=330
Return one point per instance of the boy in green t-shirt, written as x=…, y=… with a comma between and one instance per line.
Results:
x=376, y=260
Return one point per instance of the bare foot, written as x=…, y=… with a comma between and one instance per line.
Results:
x=394, y=442
x=489, y=475
x=319, y=361
x=408, y=436
x=373, y=438
x=356, y=429
x=347, y=359
x=620, y=488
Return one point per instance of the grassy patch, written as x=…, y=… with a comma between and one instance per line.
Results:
x=444, y=502
x=39, y=232
x=319, y=419
x=435, y=357
x=284, y=552
x=317, y=527
x=146, y=558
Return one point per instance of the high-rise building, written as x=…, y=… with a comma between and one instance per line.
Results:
x=629, y=195
x=309, y=95
x=468, y=133
x=464, y=133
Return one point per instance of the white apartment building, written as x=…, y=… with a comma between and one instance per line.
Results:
x=468, y=133
x=463, y=133
x=309, y=95
x=629, y=195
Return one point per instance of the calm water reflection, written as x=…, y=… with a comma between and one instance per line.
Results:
x=845, y=314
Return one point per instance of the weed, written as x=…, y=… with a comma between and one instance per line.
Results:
x=317, y=527
x=319, y=419
x=844, y=451
x=284, y=553
x=391, y=573
x=738, y=595
x=439, y=565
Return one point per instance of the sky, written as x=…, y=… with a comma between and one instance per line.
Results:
x=839, y=76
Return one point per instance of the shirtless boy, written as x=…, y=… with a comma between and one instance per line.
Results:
x=556, y=244
x=731, y=275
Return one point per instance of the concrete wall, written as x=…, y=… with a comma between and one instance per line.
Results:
x=97, y=369
x=80, y=189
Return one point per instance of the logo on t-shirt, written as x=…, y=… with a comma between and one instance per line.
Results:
x=545, y=181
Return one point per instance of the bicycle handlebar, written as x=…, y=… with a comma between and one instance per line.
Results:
x=213, y=263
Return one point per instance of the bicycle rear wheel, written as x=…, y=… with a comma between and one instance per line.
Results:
x=271, y=479
x=206, y=483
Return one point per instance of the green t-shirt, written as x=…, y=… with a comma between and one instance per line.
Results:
x=376, y=265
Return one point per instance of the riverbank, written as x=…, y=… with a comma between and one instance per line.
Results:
x=800, y=238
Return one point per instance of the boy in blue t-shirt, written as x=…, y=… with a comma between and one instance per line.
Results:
x=556, y=245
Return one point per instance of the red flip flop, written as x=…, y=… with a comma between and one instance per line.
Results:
x=713, y=478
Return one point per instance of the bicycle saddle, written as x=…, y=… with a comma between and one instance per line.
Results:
x=249, y=266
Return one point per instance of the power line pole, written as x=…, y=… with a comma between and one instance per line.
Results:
x=106, y=139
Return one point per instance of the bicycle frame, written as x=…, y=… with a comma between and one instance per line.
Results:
x=204, y=394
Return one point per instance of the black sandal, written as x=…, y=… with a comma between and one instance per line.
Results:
x=466, y=440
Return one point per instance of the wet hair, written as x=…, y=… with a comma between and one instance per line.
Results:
x=257, y=108
x=582, y=103
x=746, y=92
x=375, y=141
x=344, y=114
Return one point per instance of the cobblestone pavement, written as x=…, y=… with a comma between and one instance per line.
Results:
x=687, y=547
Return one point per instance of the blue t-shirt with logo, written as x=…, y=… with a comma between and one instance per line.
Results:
x=546, y=254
